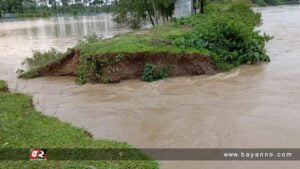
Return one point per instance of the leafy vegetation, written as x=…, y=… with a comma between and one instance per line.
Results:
x=39, y=61
x=136, y=12
x=46, y=8
x=228, y=31
x=23, y=127
x=151, y=73
x=3, y=86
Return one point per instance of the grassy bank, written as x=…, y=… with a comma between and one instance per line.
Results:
x=225, y=33
x=23, y=127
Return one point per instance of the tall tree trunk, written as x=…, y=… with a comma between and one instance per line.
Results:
x=201, y=6
x=149, y=13
x=155, y=12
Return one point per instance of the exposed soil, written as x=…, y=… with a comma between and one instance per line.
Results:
x=65, y=67
x=131, y=65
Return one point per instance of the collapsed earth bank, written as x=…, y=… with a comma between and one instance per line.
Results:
x=112, y=68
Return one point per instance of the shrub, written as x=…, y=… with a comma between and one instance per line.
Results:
x=151, y=73
x=3, y=86
x=38, y=61
x=229, y=35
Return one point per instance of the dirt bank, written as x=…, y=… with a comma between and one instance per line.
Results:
x=67, y=66
x=111, y=68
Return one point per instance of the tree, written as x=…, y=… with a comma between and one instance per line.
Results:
x=11, y=5
x=98, y=2
x=165, y=8
x=135, y=12
x=53, y=3
x=65, y=3
x=201, y=6
x=132, y=12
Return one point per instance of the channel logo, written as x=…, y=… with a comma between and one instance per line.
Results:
x=38, y=154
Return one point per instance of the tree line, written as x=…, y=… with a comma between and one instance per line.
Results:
x=135, y=12
x=30, y=8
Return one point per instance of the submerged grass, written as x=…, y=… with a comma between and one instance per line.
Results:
x=23, y=127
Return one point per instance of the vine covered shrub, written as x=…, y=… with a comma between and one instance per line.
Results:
x=151, y=73
x=230, y=35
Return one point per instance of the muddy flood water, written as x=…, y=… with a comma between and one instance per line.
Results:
x=255, y=106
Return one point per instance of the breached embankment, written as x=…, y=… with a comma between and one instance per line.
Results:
x=112, y=68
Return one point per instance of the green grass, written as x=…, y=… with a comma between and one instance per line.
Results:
x=23, y=127
x=154, y=40
x=3, y=86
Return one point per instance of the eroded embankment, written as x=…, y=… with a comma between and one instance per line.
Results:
x=111, y=68
x=67, y=66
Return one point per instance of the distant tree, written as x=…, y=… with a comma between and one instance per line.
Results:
x=165, y=8
x=199, y=6
x=98, y=2
x=135, y=12
x=11, y=5
x=65, y=3
x=29, y=3
x=53, y=3
x=43, y=2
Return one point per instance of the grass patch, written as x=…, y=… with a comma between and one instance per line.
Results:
x=23, y=127
x=155, y=40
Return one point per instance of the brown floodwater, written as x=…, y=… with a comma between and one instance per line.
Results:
x=254, y=106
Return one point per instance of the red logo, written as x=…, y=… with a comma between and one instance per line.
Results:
x=38, y=154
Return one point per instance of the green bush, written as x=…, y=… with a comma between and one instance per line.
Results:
x=230, y=35
x=42, y=58
x=38, y=61
x=151, y=73
x=3, y=86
